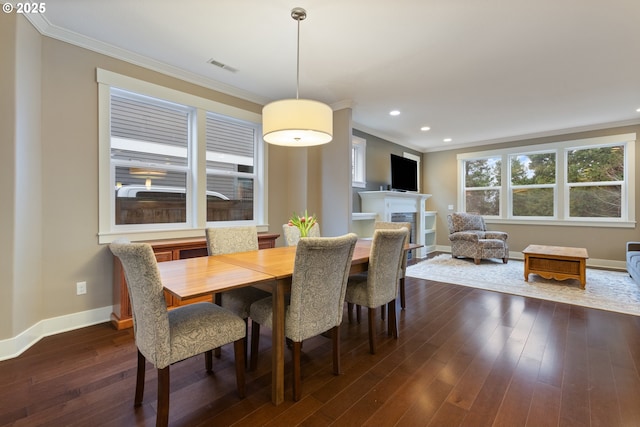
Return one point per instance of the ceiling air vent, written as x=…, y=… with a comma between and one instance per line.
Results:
x=221, y=65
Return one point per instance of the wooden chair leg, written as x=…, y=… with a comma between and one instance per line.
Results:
x=137, y=400
x=297, y=390
x=372, y=330
x=358, y=315
x=255, y=344
x=217, y=299
x=350, y=312
x=403, y=303
x=392, y=327
x=383, y=312
x=238, y=352
x=246, y=341
x=162, y=415
x=208, y=361
x=335, y=337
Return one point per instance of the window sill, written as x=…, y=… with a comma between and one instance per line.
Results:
x=563, y=223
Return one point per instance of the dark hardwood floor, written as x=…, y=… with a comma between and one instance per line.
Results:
x=464, y=357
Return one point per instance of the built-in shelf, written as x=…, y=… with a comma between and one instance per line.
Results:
x=429, y=231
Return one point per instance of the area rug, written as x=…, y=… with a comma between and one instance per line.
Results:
x=605, y=290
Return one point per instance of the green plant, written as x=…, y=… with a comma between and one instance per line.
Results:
x=304, y=223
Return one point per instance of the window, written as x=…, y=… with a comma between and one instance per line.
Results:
x=533, y=184
x=230, y=168
x=482, y=185
x=595, y=179
x=584, y=181
x=172, y=164
x=149, y=155
x=358, y=162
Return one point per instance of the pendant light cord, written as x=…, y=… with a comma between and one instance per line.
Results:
x=298, y=64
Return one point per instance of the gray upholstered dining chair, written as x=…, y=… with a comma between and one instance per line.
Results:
x=165, y=337
x=381, y=225
x=379, y=285
x=291, y=234
x=227, y=240
x=316, y=302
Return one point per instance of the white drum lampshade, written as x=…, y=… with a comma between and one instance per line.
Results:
x=297, y=123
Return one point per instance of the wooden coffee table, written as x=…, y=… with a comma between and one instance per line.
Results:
x=556, y=262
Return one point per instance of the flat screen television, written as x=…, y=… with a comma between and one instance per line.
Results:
x=404, y=174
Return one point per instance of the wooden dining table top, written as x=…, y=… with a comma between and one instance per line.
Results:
x=197, y=277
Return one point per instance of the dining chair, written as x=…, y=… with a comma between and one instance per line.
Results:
x=291, y=233
x=164, y=337
x=228, y=240
x=379, y=284
x=382, y=225
x=316, y=302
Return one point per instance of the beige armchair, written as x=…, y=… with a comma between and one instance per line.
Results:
x=470, y=238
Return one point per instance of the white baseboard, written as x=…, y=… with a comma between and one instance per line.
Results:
x=13, y=347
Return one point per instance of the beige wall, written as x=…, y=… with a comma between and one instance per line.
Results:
x=7, y=167
x=440, y=180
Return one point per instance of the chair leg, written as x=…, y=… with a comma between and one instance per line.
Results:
x=372, y=330
x=208, y=361
x=383, y=312
x=350, y=312
x=477, y=261
x=392, y=325
x=403, y=303
x=255, y=344
x=238, y=352
x=137, y=401
x=246, y=340
x=335, y=337
x=217, y=299
x=358, y=315
x=297, y=390
x=504, y=260
x=162, y=415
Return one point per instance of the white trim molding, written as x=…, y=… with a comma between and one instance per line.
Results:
x=14, y=347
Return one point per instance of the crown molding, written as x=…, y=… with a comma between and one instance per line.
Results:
x=44, y=27
x=556, y=132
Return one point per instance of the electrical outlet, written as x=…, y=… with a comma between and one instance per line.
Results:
x=81, y=288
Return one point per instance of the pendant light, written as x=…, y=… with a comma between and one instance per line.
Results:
x=297, y=122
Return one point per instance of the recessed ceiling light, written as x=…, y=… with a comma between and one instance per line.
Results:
x=638, y=110
x=425, y=128
x=447, y=140
x=394, y=113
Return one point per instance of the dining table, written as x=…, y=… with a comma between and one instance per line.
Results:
x=268, y=269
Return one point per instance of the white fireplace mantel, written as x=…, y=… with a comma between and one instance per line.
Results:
x=386, y=203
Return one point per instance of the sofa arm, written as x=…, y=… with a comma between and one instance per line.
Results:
x=469, y=236
x=633, y=246
x=500, y=235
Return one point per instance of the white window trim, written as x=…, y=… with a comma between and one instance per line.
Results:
x=628, y=219
x=417, y=159
x=361, y=149
x=106, y=233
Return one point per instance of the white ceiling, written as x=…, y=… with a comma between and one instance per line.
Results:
x=476, y=71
